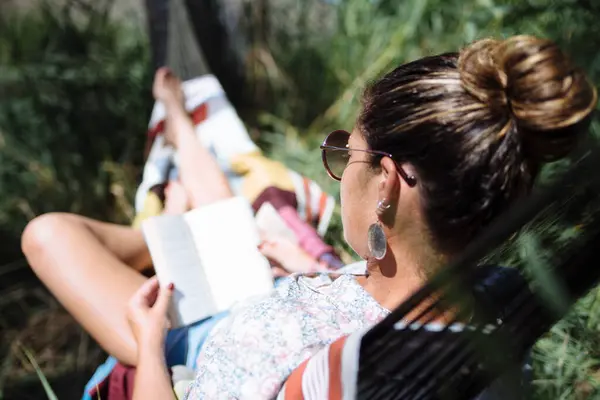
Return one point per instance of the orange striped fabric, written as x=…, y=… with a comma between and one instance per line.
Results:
x=323, y=204
x=293, y=386
x=308, y=197
x=319, y=377
x=335, y=369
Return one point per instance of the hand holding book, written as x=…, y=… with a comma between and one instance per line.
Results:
x=211, y=255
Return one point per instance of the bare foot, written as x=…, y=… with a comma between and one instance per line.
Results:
x=167, y=88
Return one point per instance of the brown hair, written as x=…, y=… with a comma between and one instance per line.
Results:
x=476, y=125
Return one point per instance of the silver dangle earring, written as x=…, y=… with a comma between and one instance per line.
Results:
x=377, y=241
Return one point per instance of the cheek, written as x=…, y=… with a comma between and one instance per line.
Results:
x=346, y=206
x=356, y=213
x=348, y=198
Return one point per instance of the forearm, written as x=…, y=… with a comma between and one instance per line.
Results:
x=309, y=239
x=152, y=380
x=199, y=172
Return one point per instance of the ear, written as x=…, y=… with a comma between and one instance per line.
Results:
x=389, y=186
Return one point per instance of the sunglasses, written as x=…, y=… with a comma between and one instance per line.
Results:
x=335, y=154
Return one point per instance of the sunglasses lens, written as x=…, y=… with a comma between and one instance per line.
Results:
x=337, y=159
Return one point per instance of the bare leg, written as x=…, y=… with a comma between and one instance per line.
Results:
x=199, y=172
x=92, y=267
x=85, y=264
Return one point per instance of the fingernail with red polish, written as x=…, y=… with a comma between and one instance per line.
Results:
x=171, y=286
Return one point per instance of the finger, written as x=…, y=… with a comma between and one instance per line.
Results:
x=164, y=299
x=279, y=272
x=144, y=297
x=324, y=266
x=267, y=248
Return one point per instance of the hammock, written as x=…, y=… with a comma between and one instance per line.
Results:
x=210, y=41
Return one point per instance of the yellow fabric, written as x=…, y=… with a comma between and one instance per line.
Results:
x=152, y=207
x=260, y=173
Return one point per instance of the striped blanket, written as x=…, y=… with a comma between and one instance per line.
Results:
x=249, y=172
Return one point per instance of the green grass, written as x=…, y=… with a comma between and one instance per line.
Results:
x=43, y=380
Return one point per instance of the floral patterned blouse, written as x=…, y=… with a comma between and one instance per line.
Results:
x=250, y=354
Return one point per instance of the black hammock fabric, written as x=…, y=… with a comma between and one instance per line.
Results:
x=433, y=348
x=408, y=358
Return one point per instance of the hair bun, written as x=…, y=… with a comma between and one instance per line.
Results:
x=534, y=81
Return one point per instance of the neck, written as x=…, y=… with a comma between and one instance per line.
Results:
x=403, y=270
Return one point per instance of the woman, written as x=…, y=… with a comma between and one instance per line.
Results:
x=442, y=146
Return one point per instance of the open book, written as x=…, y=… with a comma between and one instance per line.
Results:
x=272, y=225
x=211, y=256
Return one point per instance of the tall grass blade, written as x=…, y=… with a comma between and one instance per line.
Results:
x=47, y=388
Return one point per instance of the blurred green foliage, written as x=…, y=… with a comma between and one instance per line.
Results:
x=75, y=98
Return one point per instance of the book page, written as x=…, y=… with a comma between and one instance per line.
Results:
x=272, y=225
x=176, y=261
x=226, y=238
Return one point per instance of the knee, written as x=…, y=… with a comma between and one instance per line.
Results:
x=42, y=233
